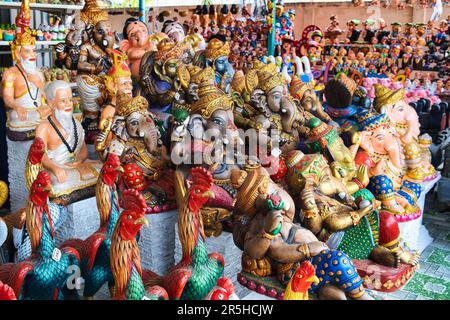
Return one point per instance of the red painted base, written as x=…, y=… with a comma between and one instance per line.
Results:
x=381, y=278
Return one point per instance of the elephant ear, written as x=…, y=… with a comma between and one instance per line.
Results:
x=251, y=80
x=119, y=128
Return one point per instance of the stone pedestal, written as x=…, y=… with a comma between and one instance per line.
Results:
x=81, y=221
x=157, y=242
x=92, y=154
x=17, y=157
x=413, y=233
x=225, y=246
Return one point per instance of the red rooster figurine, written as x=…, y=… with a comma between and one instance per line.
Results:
x=6, y=292
x=224, y=290
x=95, y=259
x=197, y=273
x=304, y=276
x=125, y=256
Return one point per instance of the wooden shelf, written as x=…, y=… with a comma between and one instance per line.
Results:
x=38, y=43
x=41, y=6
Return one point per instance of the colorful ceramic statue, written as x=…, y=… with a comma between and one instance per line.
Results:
x=406, y=123
x=23, y=84
x=117, y=82
x=339, y=94
x=159, y=75
x=307, y=98
x=216, y=55
x=95, y=250
x=337, y=219
x=131, y=282
x=275, y=108
x=136, y=42
x=273, y=244
x=66, y=159
x=44, y=276
x=136, y=139
x=353, y=33
x=197, y=272
x=381, y=151
x=96, y=58
x=208, y=136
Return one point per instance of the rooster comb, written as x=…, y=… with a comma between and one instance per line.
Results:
x=201, y=176
x=134, y=201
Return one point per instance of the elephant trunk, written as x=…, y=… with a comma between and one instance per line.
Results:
x=150, y=132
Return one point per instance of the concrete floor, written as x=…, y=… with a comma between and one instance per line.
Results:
x=432, y=280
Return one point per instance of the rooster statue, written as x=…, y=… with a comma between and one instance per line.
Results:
x=298, y=286
x=33, y=164
x=224, y=290
x=125, y=256
x=197, y=273
x=6, y=292
x=44, y=274
x=95, y=262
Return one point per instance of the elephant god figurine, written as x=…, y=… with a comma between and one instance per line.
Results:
x=381, y=151
x=328, y=210
x=211, y=116
x=275, y=108
x=136, y=139
x=159, y=76
x=273, y=245
x=406, y=124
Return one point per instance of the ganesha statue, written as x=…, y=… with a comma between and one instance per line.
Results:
x=306, y=98
x=405, y=121
x=205, y=134
x=339, y=220
x=380, y=150
x=136, y=139
x=273, y=245
x=275, y=108
x=159, y=75
x=96, y=51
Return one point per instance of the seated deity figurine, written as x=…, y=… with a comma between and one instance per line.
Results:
x=380, y=150
x=406, y=123
x=208, y=136
x=216, y=55
x=275, y=108
x=136, y=139
x=273, y=245
x=323, y=138
x=117, y=82
x=96, y=58
x=136, y=42
x=73, y=175
x=307, y=98
x=357, y=227
x=159, y=75
x=22, y=89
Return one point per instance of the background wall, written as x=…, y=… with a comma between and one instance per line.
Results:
x=319, y=14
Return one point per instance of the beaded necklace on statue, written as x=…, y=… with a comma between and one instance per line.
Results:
x=28, y=87
x=72, y=158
